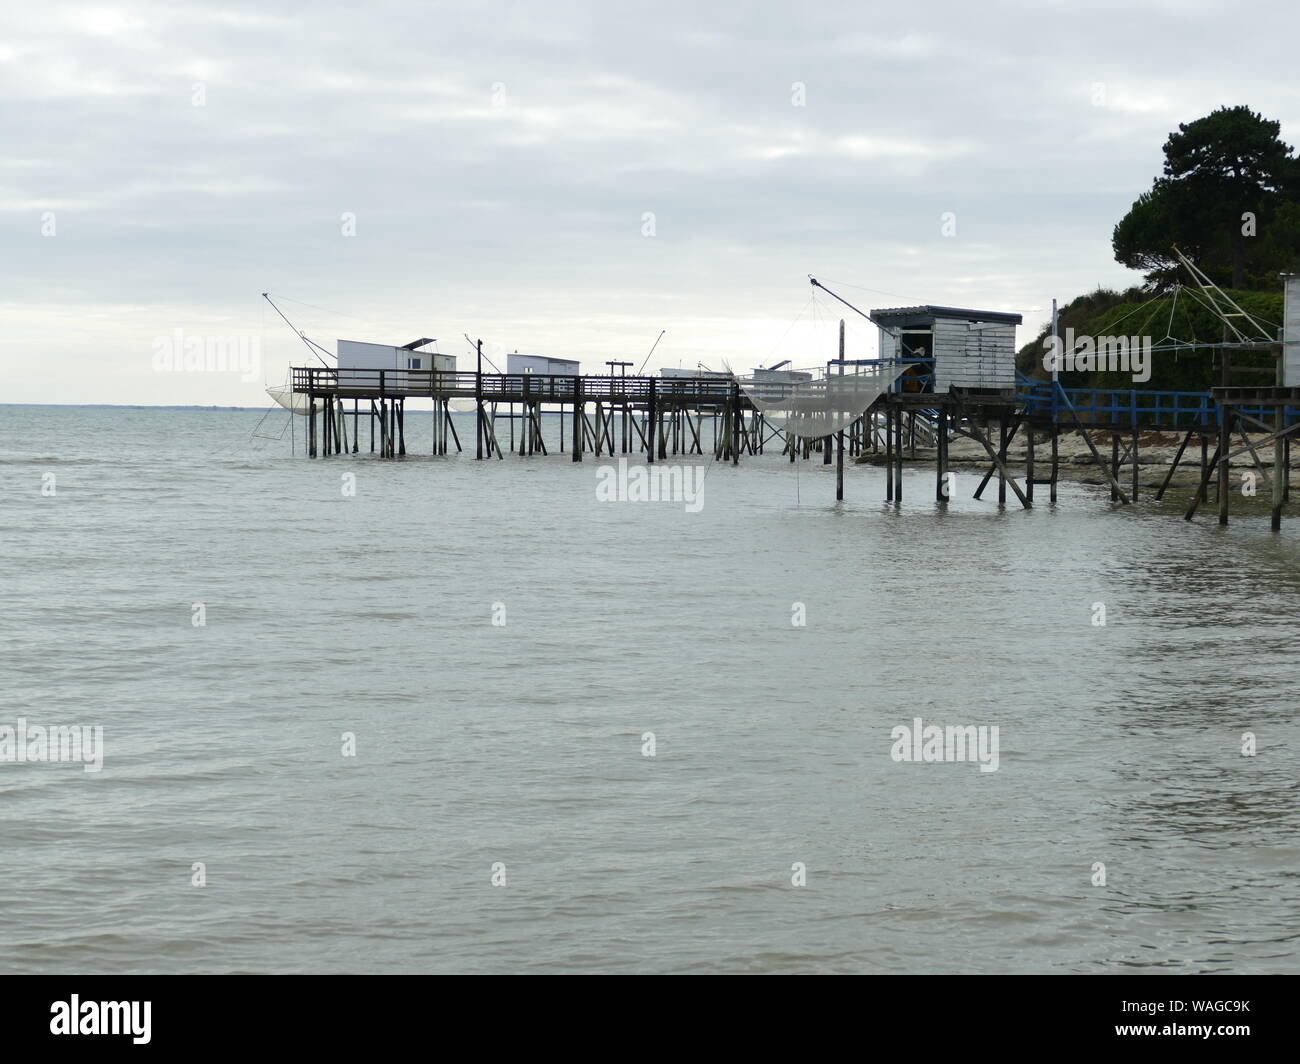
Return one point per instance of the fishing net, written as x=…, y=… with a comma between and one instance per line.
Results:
x=812, y=409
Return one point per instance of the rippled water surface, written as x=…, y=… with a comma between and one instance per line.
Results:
x=521, y=744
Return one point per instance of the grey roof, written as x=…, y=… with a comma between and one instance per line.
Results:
x=926, y=314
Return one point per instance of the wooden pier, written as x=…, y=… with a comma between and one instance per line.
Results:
x=662, y=417
x=655, y=416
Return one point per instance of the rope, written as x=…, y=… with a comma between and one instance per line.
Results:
x=326, y=310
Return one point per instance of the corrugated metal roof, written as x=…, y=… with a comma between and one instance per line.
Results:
x=930, y=311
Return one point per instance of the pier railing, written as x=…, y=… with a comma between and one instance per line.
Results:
x=1037, y=398
x=1133, y=407
x=505, y=387
x=1115, y=406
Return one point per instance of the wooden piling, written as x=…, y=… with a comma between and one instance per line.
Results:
x=735, y=423
x=1135, y=465
x=889, y=454
x=1056, y=461
x=577, y=419
x=941, y=457
x=1225, y=434
x=651, y=417
x=1279, y=466
x=1002, y=455
x=898, y=454
x=1114, y=466
x=1029, y=460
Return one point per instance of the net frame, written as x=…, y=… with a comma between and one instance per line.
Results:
x=819, y=407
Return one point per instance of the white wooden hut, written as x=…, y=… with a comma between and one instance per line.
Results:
x=973, y=349
x=359, y=363
x=1291, y=331
x=543, y=364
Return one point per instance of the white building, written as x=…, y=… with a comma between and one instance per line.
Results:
x=541, y=364
x=359, y=363
x=1291, y=331
x=693, y=374
x=970, y=348
x=782, y=376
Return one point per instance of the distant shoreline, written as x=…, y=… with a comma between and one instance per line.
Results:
x=137, y=406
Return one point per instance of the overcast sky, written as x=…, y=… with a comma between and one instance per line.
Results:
x=164, y=164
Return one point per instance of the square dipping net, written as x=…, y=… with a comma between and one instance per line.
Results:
x=811, y=409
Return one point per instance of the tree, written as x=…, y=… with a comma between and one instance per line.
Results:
x=1228, y=198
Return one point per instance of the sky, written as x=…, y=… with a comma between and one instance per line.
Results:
x=572, y=178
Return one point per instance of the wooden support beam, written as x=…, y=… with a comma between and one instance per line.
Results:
x=898, y=454
x=1115, y=488
x=889, y=454
x=979, y=437
x=1278, y=493
x=1207, y=471
x=1254, y=454
x=941, y=458
x=1056, y=461
x=694, y=446
x=490, y=436
x=1029, y=461
x=650, y=424
x=577, y=419
x=735, y=423
x=1134, y=452
x=1225, y=434
x=979, y=491
x=1115, y=463
x=539, y=442
x=1204, y=489
x=1178, y=457
x=451, y=424
x=1003, y=444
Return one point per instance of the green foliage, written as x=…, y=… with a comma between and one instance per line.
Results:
x=1218, y=170
x=1177, y=316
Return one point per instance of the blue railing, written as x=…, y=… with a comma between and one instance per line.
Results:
x=1114, y=406
x=1136, y=407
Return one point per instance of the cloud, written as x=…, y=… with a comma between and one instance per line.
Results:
x=499, y=160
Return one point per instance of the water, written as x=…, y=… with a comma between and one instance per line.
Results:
x=522, y=744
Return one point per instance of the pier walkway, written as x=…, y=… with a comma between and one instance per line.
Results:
x=659, y=416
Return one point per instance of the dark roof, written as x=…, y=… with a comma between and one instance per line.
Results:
x=903, y=316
